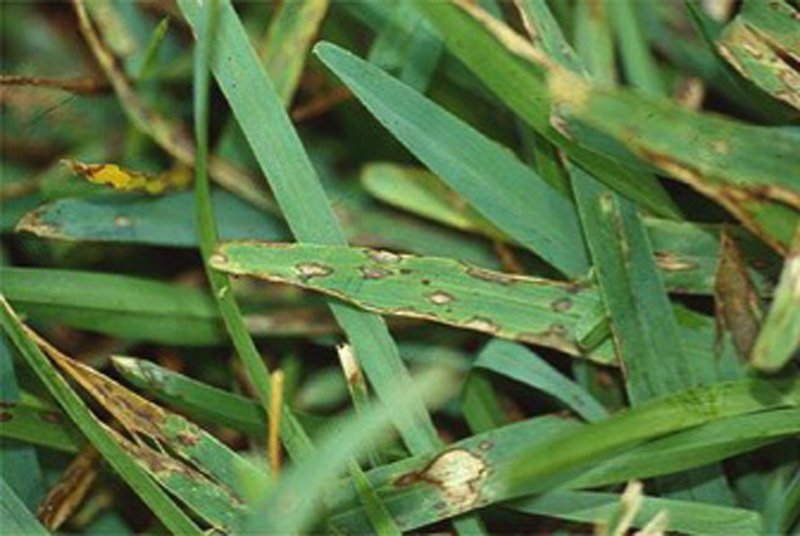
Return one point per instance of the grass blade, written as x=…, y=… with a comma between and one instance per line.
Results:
x=161, y=505
x=517, y=362
x=516, y=73
x=779, y=338
x=17, y=519
x=281, y=156
x=441, y=290
x=684, y=517
x=747, y=169
x=488, y=176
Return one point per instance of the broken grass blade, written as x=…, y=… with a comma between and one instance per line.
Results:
x=440, y=290
x=779, y=338
x=166, y=510
x=487, y=175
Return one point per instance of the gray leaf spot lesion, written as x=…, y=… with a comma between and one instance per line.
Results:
x=441, y=298
x=384, y=256
x=480, y=323
x=371, y=272
x=309, y=270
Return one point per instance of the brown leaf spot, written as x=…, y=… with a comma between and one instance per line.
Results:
x=488, y=275
x=5, y=416
x=50, y=416
x=187, y=439
x=8, y=404
x=561, y=305
x=720, y=147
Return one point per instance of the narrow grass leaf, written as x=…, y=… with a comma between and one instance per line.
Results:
x=684, y=516
x=516, y=72
x=20, y=464
x=779, y=338
x=37, y=426
x=17, y=519
x=281, y=156
x=441, y=290
x=544, y=31
x=292, y=505
x=164, y=221
x=747, y=169
x=117, y=305
x=166, y=510
x=517, y=362
x=638, y=62
x=487, y=175
x=760, y=43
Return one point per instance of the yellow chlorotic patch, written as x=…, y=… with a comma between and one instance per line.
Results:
x=126, y=180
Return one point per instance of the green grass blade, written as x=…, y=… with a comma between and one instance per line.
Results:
x=676, y=447
x=117, y=305
x=441, y=290
x=546, y=33
x=17, y=519
x=292, y=505
x=517, y=362
x=684, y=517
x=644, y=327
x=161, y=505
x=292, y=434
x=291, y=31
x=21, y=468
x=488, y=176
x=281, y=156
x=779, y=338
x=759, y=43
x=646, y=334
x=594, y=39
x=36, y=426
x=748, y=169
x=381, y=520
x=162, y=221
x=641, y=69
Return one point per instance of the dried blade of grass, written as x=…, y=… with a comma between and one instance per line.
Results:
x=166, y=510
x=71, y=489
